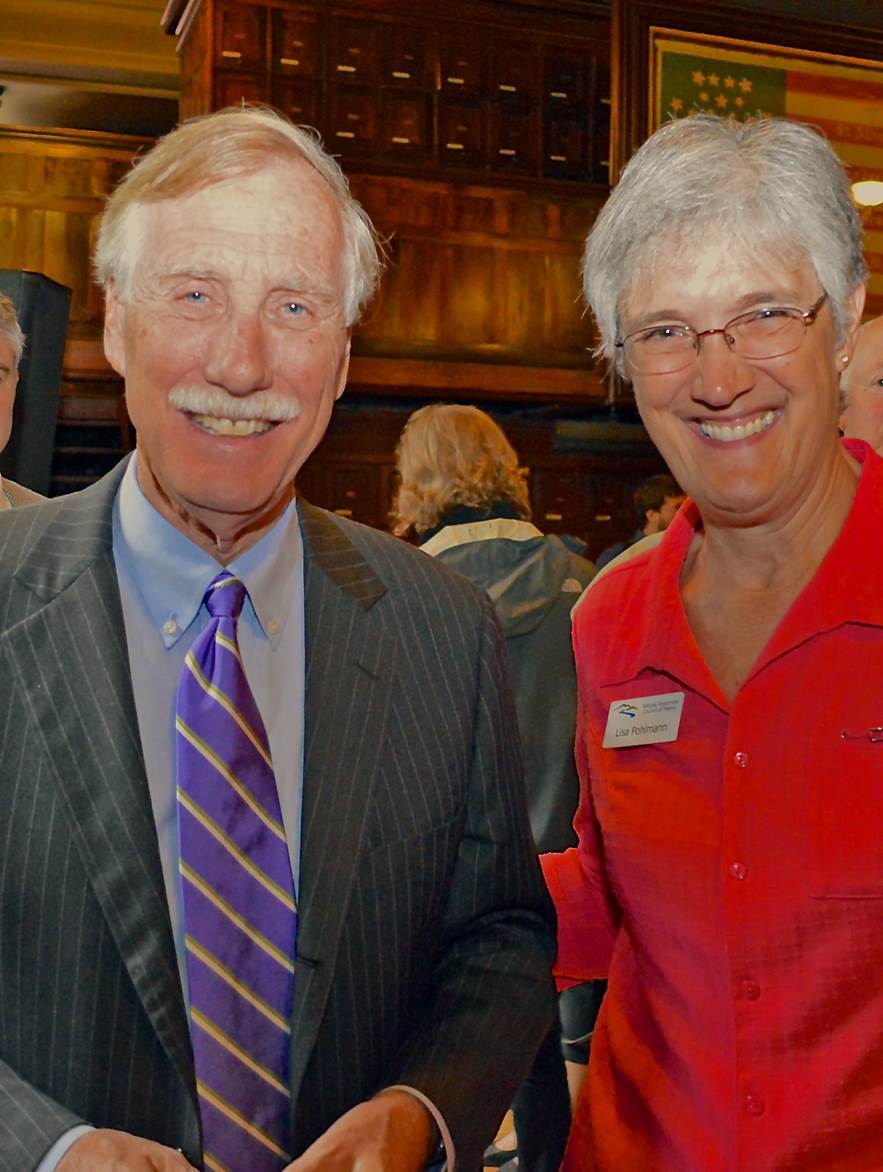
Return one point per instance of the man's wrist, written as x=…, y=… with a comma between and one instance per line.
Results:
x=441, y=1146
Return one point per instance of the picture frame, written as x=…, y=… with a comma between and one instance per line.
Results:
x=671, y=60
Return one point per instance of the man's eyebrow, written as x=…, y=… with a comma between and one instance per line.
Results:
x=189, y=275
x=320, y=290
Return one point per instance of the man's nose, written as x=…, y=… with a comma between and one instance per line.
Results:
x=721, y=375
x=237, y=358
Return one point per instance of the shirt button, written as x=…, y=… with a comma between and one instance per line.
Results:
x=169, y=627
x=754, y=1105
x=740, y=760
x=738, y=870
x=750, y=990
x=272, y=626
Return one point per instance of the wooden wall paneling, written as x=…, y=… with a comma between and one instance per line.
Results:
x=471, y=282
x=522, y=303
x=516, y=130
x=240, y=36
x=296, y=48
x=53, y=186
x=568, y=328
x=353, y=120
x=354, y=50
x=477, y=273
x=461, y=63
x=410, y=56
x=407, y=132
x=560, y=498
x=196, y=64
x=414, y=291
x=231, y=89
x=462, y=131
x=298, y=99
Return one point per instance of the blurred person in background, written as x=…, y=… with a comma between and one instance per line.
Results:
x=729, y=872
x=656, y=499
x=861, y=386
x=465, y=497
x=12, y=344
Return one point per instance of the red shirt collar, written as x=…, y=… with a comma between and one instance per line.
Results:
x=847, y=587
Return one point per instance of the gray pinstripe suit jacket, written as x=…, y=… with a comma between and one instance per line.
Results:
x=425, y=936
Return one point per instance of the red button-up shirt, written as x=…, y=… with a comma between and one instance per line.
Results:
x=731, y=882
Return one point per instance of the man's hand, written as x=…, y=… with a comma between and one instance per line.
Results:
x=392, y=1132
x=116, y=1151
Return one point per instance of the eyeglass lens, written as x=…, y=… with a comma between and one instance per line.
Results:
x=767, y=333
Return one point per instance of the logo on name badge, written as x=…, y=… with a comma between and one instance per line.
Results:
x=645, y=720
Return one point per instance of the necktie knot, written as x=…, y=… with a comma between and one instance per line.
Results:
x=225, y=596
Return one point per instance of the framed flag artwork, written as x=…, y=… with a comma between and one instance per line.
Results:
x=687, y=68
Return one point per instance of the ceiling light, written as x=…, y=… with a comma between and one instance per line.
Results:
x=869, y=192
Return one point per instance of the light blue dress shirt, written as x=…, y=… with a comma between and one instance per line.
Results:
x=162, y=578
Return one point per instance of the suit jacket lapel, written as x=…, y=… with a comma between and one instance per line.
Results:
x=71, y=661
x=350, y=669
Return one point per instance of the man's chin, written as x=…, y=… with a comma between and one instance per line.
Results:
x=226, y=519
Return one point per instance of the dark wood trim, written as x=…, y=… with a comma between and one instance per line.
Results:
x=101, y=140
x=485, y=380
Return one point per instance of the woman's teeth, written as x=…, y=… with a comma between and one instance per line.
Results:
x=219, y=426
x=728, y=434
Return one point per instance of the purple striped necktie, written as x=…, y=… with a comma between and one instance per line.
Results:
x=240, y=916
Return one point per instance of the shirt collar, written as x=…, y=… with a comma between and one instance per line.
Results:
x=845, y=588
x=172, y=574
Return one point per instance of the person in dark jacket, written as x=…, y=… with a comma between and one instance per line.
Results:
x=465, y=498
x=656, y=502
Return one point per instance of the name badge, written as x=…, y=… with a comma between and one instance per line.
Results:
x=648, y=720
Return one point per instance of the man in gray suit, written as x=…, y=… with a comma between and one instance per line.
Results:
x=235, y=264
x=12, y=344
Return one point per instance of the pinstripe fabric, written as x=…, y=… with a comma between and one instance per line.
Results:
x=424, y=935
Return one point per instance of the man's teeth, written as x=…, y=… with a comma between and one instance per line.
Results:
x=220, y=426
x=727, y=434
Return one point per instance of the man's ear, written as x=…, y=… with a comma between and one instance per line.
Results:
x=114, y=343
x=343, y=369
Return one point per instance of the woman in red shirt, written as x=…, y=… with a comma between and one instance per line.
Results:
x=729, y=872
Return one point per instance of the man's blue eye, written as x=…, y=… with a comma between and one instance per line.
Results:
x=195, y=296
x=295, y=308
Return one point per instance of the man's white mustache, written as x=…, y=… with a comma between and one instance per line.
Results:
x=219, y=404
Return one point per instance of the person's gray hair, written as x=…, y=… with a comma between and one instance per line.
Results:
x=10, y=328
x=209, y=149
x=772, y=187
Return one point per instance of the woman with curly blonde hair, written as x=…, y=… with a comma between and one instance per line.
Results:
x=464, y=495
x=453, y=456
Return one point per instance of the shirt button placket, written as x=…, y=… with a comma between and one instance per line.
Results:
x=750, y=990
x=754, y=1105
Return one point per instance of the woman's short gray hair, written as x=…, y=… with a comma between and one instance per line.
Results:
x=10, y=329
x=215, y=147
x=772, y=187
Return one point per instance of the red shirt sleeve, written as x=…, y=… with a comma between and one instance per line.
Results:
x=588, y=917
